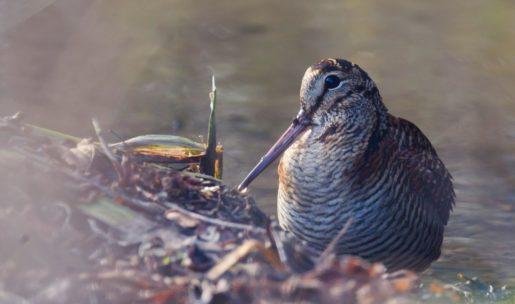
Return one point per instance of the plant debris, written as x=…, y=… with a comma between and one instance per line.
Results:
x=109, y=227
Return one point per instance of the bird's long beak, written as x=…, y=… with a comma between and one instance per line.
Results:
x=298, y=126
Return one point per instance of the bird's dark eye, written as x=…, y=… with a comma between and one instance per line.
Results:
x=331, y=81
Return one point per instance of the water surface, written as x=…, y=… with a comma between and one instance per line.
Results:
x=447, y=66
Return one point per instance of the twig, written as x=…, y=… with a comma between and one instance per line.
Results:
x=231, y=259
x=281, y=252
x=105, y=148
x=330, y=248
x=214, y=221
x=200, y=175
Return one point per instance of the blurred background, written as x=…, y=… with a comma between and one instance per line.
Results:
x=145, y=67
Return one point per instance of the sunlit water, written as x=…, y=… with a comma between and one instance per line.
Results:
x=447, y=66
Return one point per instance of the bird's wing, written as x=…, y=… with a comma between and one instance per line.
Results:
x=428, y=174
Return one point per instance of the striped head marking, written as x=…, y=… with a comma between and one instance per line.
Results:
x=331, y=80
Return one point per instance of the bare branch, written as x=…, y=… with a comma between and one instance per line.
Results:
x=105, y=148
x=330, y=248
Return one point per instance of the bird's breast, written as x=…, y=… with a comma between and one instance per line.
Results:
x=324, y=184
x=315, y=181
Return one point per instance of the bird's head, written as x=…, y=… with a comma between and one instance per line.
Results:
x=335, y=94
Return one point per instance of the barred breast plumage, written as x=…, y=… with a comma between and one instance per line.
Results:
x=347, y=158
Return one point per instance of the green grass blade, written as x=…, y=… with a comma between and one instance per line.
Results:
x=208, y=163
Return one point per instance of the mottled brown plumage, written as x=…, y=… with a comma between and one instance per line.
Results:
x=345, y=157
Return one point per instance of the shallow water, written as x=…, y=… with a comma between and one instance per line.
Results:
x=447, y=66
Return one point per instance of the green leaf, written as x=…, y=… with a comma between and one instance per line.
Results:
x=208, y=163
x=108, y=212
x=158, y=140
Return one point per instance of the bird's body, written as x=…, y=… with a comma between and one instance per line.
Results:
x=396, y=194
x=351, y=160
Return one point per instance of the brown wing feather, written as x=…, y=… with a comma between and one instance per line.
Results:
x=428, y=176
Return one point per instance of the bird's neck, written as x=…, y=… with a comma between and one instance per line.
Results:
x=322, y=151
x=330, y=155
x=351, y=137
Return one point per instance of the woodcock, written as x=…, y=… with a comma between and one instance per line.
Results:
x=346, y=158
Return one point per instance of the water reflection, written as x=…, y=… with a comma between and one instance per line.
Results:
x=140, y=68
